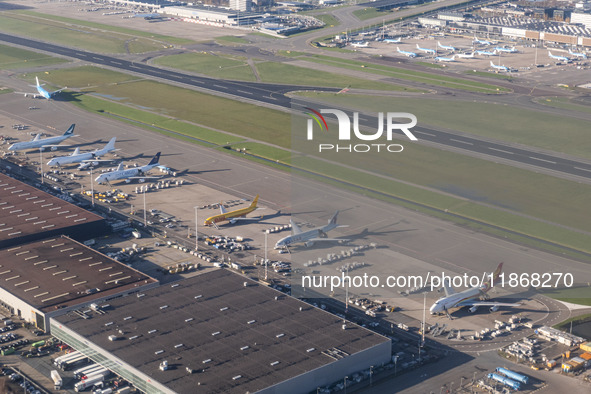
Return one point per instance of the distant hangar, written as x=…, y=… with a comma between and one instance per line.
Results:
x=221, y=333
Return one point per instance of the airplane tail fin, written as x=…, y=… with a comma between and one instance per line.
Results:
x=154, y=159
x=111, y=144
x=447, y=288
x=37, y=79
x=254, y=202
x=120, y=167
x=333, y=220
x=70, y=130
x=491, y=64
x=37, y=137
x=76, y=152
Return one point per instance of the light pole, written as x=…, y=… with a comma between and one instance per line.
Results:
x=41, y=163
x=395, y=364
x=450, y=387
x=461, y=382
x=196, y=233
x=346, y=377
x=266, y=234
x=145, y=219
x=92, y=187
x=370, y=375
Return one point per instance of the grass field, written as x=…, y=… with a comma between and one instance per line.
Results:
x=490, y=74
x=224, y=67
x=15, y=58
x=404, y=74
x=575, y=295
x=328, y=19
x=502, y=122
x=224, y=40
x=368, y=13
x=563, y=103
x=78, y=34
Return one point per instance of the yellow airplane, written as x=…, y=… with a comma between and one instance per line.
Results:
x=232, y=216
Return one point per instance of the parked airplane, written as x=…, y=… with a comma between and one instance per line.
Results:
x=41, y=92
x=406, y=53
x=426, y=50
x=393, y=40
x=481, y=42
x=86, y=157
x=578, y=54
x=43, y=143
x=501, y=68
x=465, y=55
x=360, y=44
x=309, y=237
x=470, y=297
x=559, y=58
x=507, y=50
x=446, y=47
x=485, y=53
x=445, y=59
x=232, y=216
x=130, y=173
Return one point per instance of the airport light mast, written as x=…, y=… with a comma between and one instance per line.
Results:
x=196, y=233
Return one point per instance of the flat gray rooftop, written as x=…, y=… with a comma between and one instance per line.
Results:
x=240, y=338
x=27, y=213
x=60, y=272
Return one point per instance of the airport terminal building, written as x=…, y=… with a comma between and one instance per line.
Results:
x=219, y=332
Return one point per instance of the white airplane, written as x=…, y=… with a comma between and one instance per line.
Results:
x=446, y=47
x=559, y=58
x=501, y=68
x=465, y=55
x=87, y=157
x=309, y=237
x=481, y=42
x=470, y=297
x=40, y=143
x=406, y=53
x=360, y=44
x=41, y=92
x=507, y=50
x=130, y=173
x=578, y=54
x=393, y=40
x=445, y=59
x=426, y=50
x=485, y=53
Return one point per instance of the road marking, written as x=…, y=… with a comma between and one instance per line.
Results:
x=422, y=132
x=462, y=142
x=97, y=58
x=272, y=98
x=196, y=81
x=242, y=91
x=582, y=169
x=547, y=161
x=220, y=86
x=116, y=63
x=500, y=150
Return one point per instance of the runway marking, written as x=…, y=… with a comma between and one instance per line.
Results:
x=220, y=86
x=500, y=150
x=196, y=81
x=116, y=63
x=97, y=58
x=81, y=54
x=582, y=169
x=547, y=161
x=462, y=142
x=422, y=132
x=273, y=98
x=242, y=91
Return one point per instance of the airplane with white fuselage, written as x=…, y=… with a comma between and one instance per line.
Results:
x=446, y=47
x=465, y=55
x=129, y=174
x=485, y=53
x=481, y=42
x=86, y=157
x=43, y=143
x=507, y=50
x=41, y=92
x=392, y=40
x=578, y=54
x=426, y=50
x=360, y=44
x=309, y=237
x=232, y=216
x=445, y=59
x=501, y=68
x=406, y=53
x=559, y=58
x=471, y=297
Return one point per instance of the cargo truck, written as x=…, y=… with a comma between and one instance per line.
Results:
x=91, y=381
x=57, y=380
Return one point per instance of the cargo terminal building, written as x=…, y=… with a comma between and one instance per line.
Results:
x=46, y=278
x=219, y=332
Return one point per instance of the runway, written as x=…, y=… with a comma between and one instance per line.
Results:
x=274, y=94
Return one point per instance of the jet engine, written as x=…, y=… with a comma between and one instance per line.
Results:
x=473, y=309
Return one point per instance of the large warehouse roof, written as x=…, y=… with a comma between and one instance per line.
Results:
x=27, y=213
x=237, y=335
x=60, y=272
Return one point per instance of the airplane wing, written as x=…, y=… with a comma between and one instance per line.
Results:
x=142, y=177
x=294, y=227
x=96, y=161
x=485, y=303
x=328, y=240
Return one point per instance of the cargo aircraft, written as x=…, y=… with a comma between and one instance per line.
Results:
x=232, y=216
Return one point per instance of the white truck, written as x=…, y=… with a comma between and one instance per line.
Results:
x=90, y=381
x=57, y=380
